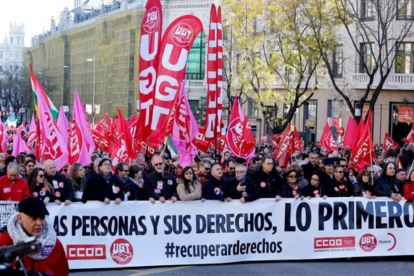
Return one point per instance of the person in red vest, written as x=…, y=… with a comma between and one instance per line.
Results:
x=12, y=186
x=30, y=221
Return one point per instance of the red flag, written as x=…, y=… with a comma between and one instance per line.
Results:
x=351, y=133
x=236, y=133
x=284, y=150
x=327, y=140
x=410, y=137
x=248, y=141
x=219, y=93
x=297, y=139
x=102, y=133
x=151, y=30
x=389, y=143
x=175, y=47
x=211, y=112
x=123, y=149
x=363, y=151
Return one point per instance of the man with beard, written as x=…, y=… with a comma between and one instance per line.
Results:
x=311, y=166
x=160, y=185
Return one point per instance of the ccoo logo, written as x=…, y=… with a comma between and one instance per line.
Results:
x=122, y=251
x=368, y=242
x=182, y=35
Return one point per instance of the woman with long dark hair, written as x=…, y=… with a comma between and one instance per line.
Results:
x=364, y=186
x=39, y=187
x=78, y=180
x=385, y=185
x=188, y=188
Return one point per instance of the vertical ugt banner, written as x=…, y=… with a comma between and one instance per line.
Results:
x=175, y=47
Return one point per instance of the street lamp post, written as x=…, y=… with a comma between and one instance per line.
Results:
x=93, y=87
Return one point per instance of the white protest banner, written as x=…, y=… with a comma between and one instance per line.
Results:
x=134, y=234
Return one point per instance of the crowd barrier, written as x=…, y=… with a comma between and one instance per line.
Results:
x=134, y=234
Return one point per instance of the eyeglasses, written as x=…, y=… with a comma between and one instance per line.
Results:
x=292, y=176
x=231, y=169
x=41, y=175
x=340, y=171
x=207, y=169
x=106, y=164
x=158, y=164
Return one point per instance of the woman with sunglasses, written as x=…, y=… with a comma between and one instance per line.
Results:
x=78, y=180
x=188, y=188
x=39, y=187
x=316, y=188
x=290, y=189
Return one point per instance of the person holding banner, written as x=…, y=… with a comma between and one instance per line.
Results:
x=364, y=187
x=215, y=186
x=188, y=187
x=160, y=185
x=291, y=189
x=100, y=187
x=78, y=180
x=63, y=189
x=242, y=187
x=385, y=185
x=40, y=187
x=31, y=221
x=316, y=189
x=268, y=179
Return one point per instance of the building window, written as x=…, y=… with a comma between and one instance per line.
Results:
x=367, y=10
x=404, y=61
x=405, y=9
x=196, y=62
x=251, y=108
x=258, y=25
x=367, y=58
x=337, y=62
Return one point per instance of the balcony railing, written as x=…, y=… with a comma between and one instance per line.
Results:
x=393, y=81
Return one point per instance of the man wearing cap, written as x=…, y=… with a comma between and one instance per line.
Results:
x=12, y=186
x=30, y=222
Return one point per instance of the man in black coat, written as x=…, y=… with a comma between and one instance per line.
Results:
x=215, y=186
x=63, y=188
x=160, y=185
x=268, y=179
x=242, y=187
x=311, y=166
x=407, y=157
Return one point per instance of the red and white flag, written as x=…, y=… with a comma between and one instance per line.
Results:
x=296, y=139
x=351, y=133
x=78, y=146
x=284, y=148
x=123, y=150
x=389, y=143
x=175, y=47
x=410, y=137
x=239, y=133
x=101, y=134
x=219, y=93
x=363, y=151
x=211, y=112
x=53, y=146
x=151, y=30
x=327, y=140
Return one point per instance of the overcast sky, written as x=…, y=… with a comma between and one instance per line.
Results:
x=35, y=14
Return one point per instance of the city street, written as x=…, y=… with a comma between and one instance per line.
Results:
x=357, y=266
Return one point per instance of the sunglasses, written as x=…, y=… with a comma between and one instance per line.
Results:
x=158, y=164
x=41, y=175
x=207, y=169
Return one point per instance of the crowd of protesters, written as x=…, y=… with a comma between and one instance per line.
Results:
x=313, y=173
